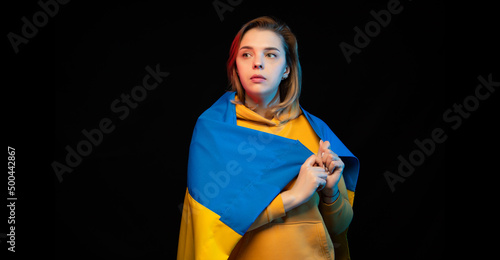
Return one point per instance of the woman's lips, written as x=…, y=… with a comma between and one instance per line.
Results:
x=257, y=78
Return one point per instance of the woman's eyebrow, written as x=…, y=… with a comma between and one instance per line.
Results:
x=267, y=48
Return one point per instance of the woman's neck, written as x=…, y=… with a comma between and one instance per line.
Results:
x=262, y=105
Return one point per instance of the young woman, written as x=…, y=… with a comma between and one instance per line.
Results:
x=266, y=179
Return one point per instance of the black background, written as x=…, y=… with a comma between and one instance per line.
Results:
x=123, y=199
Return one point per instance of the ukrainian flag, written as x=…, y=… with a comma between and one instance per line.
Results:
x=234, y=173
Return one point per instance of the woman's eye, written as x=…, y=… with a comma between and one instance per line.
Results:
x=246, y=55
x=271, y=55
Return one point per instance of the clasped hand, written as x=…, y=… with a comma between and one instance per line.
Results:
x=320, y=172
x=333, y=166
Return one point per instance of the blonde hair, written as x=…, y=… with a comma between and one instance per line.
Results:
x=289, y=89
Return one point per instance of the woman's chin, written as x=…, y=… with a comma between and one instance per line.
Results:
x=259, y=89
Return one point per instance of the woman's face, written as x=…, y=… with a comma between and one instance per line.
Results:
x=261, y=63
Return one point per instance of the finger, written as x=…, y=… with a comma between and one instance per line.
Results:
x=311, y=160
x=320, y=172
x=322, y=176
x=331, y=167
x=321, y=186
x=335, y=156
x=331, y=157
x=330, y=151
x=319, y=161
x=319, y=169
x=336, y=165
x=320, y=153
x=324, y=149
x=327, y=160
x=323, y=145
x=326, y=145
x=322, y=182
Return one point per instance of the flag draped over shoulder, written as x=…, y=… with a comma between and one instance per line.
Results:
x=234, y=173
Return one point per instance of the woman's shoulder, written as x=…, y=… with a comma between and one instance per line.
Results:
x=222, y=109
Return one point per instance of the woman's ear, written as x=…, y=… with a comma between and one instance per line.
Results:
x=287, y=70
x=285, y=73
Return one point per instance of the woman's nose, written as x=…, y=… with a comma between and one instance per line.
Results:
x=257, y=64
